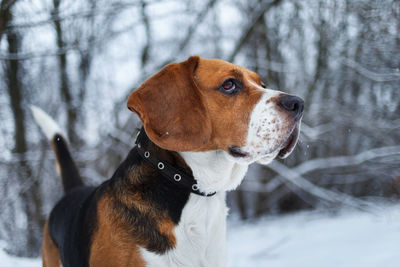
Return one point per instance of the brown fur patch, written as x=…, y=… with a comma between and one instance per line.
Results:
x=166, y=228
x=58, y=167
x=182, y=109
x=227, y=112
x=170, y=97
x=50, y=253
x=126, y=220
x=131, y=203
x=111, y=245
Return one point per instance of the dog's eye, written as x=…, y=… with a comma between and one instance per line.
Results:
x=263, y=85
x=230, y=86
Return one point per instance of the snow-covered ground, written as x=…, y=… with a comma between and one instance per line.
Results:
x=9, y=261
x=367, y=239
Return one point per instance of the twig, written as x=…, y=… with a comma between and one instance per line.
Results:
x=294, y=175
x=249, y=29
x=190, y=31
x=347, y=122
x=293, y=178
x=342, y=161
x=314, y=132
x=113, y=9
x=377, y=77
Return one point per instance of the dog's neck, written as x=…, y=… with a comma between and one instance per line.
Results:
x=137, y=181
x=214, y=170
x=200, y=222
x=201, y=231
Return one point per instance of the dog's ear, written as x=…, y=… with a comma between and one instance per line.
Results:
x=171, y=108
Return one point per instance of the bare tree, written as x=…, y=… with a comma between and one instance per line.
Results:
x=30, y=200
x=341, y=56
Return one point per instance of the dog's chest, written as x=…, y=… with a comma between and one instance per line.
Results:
x=200, y=235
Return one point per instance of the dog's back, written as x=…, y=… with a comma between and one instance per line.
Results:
x=69, y=225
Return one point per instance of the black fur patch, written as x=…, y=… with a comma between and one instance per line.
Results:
x=74, y=219
x=71, y=224
x=155, y=189
x=69, y=172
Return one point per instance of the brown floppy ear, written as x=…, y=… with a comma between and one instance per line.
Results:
x=171, y=108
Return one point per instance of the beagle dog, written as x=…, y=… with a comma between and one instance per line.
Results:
x=204, y=122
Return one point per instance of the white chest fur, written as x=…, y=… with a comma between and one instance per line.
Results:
x=200, y=235
x=201, y=232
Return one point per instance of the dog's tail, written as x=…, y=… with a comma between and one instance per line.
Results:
x=66, y=165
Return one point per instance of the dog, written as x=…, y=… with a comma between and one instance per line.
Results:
x=204, y=121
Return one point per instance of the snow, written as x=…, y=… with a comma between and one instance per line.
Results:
x=318, y=239
x=9, y=261
x=312, y=238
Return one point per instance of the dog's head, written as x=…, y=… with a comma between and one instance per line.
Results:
x=209, y=104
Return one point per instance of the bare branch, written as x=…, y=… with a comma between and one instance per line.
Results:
x=346, y=121
x=377, y=77
x=342, y=161
x=249, y=29
x=295, y=177
x=314, y=132
x=5, y=14
x=146, y=22
x=190, y=31
x=31, y=55
x=113, y=9
x=291, y=177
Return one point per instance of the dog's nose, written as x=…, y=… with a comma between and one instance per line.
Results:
x=293, y=104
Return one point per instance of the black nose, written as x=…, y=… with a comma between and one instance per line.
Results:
x=293, y=104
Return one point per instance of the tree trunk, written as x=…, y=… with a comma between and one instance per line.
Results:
x=65, y=89
x=30, y=197
x=5, y=14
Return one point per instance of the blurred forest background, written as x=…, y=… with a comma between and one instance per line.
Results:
x=79, y=60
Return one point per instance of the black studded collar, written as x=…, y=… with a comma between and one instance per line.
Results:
x=174, y=175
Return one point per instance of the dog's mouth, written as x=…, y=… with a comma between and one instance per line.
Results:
x=290, y=143
x=236, y=152
x=285, y=149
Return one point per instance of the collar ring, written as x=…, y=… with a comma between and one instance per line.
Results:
x=160, y=165
x=195, y=187
x=177, y=177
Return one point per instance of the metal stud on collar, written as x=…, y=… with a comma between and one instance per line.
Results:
x=195, y=187
x=160, y=165
x=177, y=177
